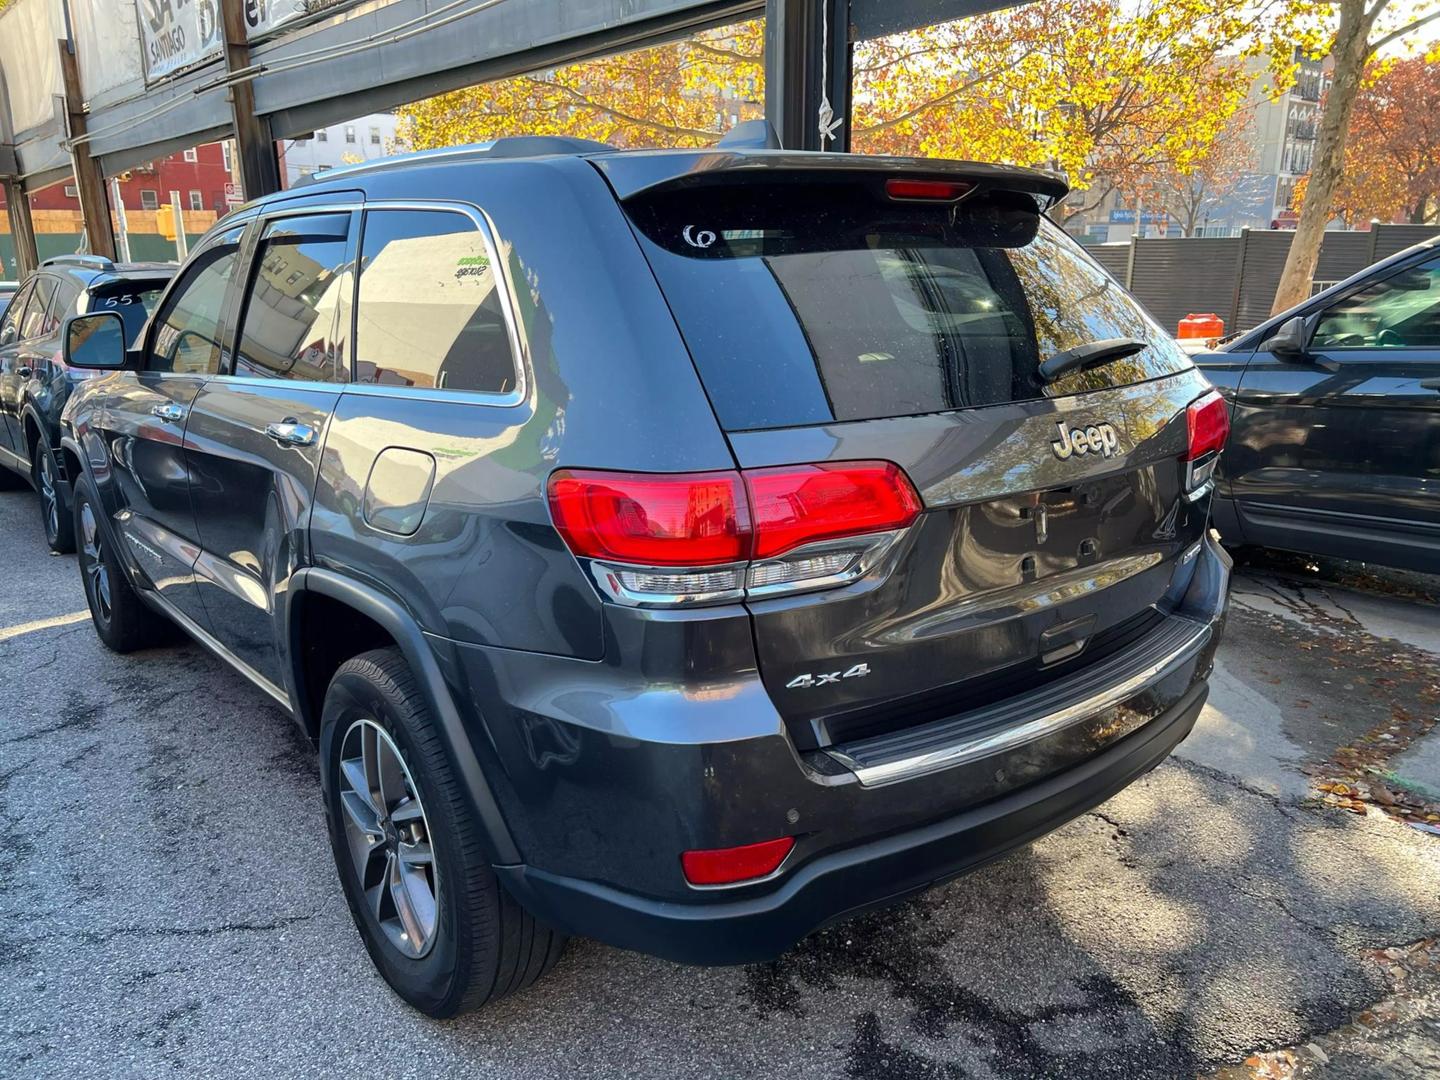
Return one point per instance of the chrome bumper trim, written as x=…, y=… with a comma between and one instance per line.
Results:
x=995, y=742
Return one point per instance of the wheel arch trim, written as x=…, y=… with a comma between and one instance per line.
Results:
x=406, y=632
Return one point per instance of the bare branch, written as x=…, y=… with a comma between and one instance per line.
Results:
x=1396, y=35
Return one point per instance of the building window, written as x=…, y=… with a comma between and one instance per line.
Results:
x=149, y=200
x=322, y=135
x=349, y=133
x=71, y=191
x=192, y=155
x=197, y=201
x=374, y=136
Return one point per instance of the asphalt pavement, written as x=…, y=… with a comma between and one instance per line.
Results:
x=168, y=903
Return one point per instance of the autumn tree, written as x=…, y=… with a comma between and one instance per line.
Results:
x=1392, y=157
x=1189, y=193
x=1103, y=89
x=685, y=93
x=1107, y=91
x=1351, y=33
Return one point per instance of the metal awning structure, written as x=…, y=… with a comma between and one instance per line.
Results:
x=347, y=59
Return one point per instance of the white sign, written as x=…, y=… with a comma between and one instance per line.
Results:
x=177, y=33
x=232, y=194
x=263, y=16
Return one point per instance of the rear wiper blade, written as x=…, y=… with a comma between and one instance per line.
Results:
x=1091, y=354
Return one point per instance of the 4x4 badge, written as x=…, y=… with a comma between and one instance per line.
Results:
x=1095, y=439
x=822, y=678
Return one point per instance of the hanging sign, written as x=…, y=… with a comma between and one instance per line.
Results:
x=175, y=34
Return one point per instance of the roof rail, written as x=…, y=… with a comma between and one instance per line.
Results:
x=93, y=262
x=512, y=146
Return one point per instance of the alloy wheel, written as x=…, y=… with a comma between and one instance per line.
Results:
x=49, y=498
x=92, y=561
x=389, y=838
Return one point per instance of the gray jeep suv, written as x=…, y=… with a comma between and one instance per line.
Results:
x=684, y=549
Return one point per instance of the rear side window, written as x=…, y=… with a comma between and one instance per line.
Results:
x=430, y=312
x=37, y=321
x=289, y=326
x=67, y=300
x=10, y=324
x=829, y=301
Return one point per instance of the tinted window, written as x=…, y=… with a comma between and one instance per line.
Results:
x=803, y=304
x=37, y=320
x=288, y=329
x=67, y=300
x=187, y=340
x=133, y=301
x=429, y=311
x=1402, y=311
x=10, y=325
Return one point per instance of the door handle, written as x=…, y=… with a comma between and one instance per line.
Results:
x=172, y=412
x=289, y=432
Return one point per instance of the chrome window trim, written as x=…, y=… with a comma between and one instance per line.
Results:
x=279, y=380
x=519, y=354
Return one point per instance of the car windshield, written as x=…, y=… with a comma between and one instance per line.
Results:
x=133, y=301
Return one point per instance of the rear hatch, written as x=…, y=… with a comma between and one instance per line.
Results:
x=836, y=316
x=133, y=298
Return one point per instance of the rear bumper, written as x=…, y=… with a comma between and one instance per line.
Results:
x=605, y=774
x=843, y=883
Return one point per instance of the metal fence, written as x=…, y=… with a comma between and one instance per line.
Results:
x=1236, y=276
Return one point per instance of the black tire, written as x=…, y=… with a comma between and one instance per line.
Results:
x=123, y=621
x=483, y=945
x=56, y=515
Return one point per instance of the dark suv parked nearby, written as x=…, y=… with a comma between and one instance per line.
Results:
x=35, y=382
x=681, y=548
x=1336, y=408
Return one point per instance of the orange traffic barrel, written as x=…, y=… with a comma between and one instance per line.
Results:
x=1206, y=326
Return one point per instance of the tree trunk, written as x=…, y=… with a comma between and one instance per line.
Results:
x=1350, y=51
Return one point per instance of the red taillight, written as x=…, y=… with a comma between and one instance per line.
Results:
x=726, y=866
x=800, y=504
x=1207, y=420
x=705, y=519
x=756, y=533
x=681, y=519
x=898, y=188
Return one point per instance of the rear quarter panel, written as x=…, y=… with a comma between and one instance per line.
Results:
x=608, y=384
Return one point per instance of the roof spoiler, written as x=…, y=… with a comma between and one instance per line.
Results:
x=647, y=172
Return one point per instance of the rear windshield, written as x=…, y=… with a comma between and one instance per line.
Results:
x=132, y=300
x=807, y=304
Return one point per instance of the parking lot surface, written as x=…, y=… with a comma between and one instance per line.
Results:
x=168, y=902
